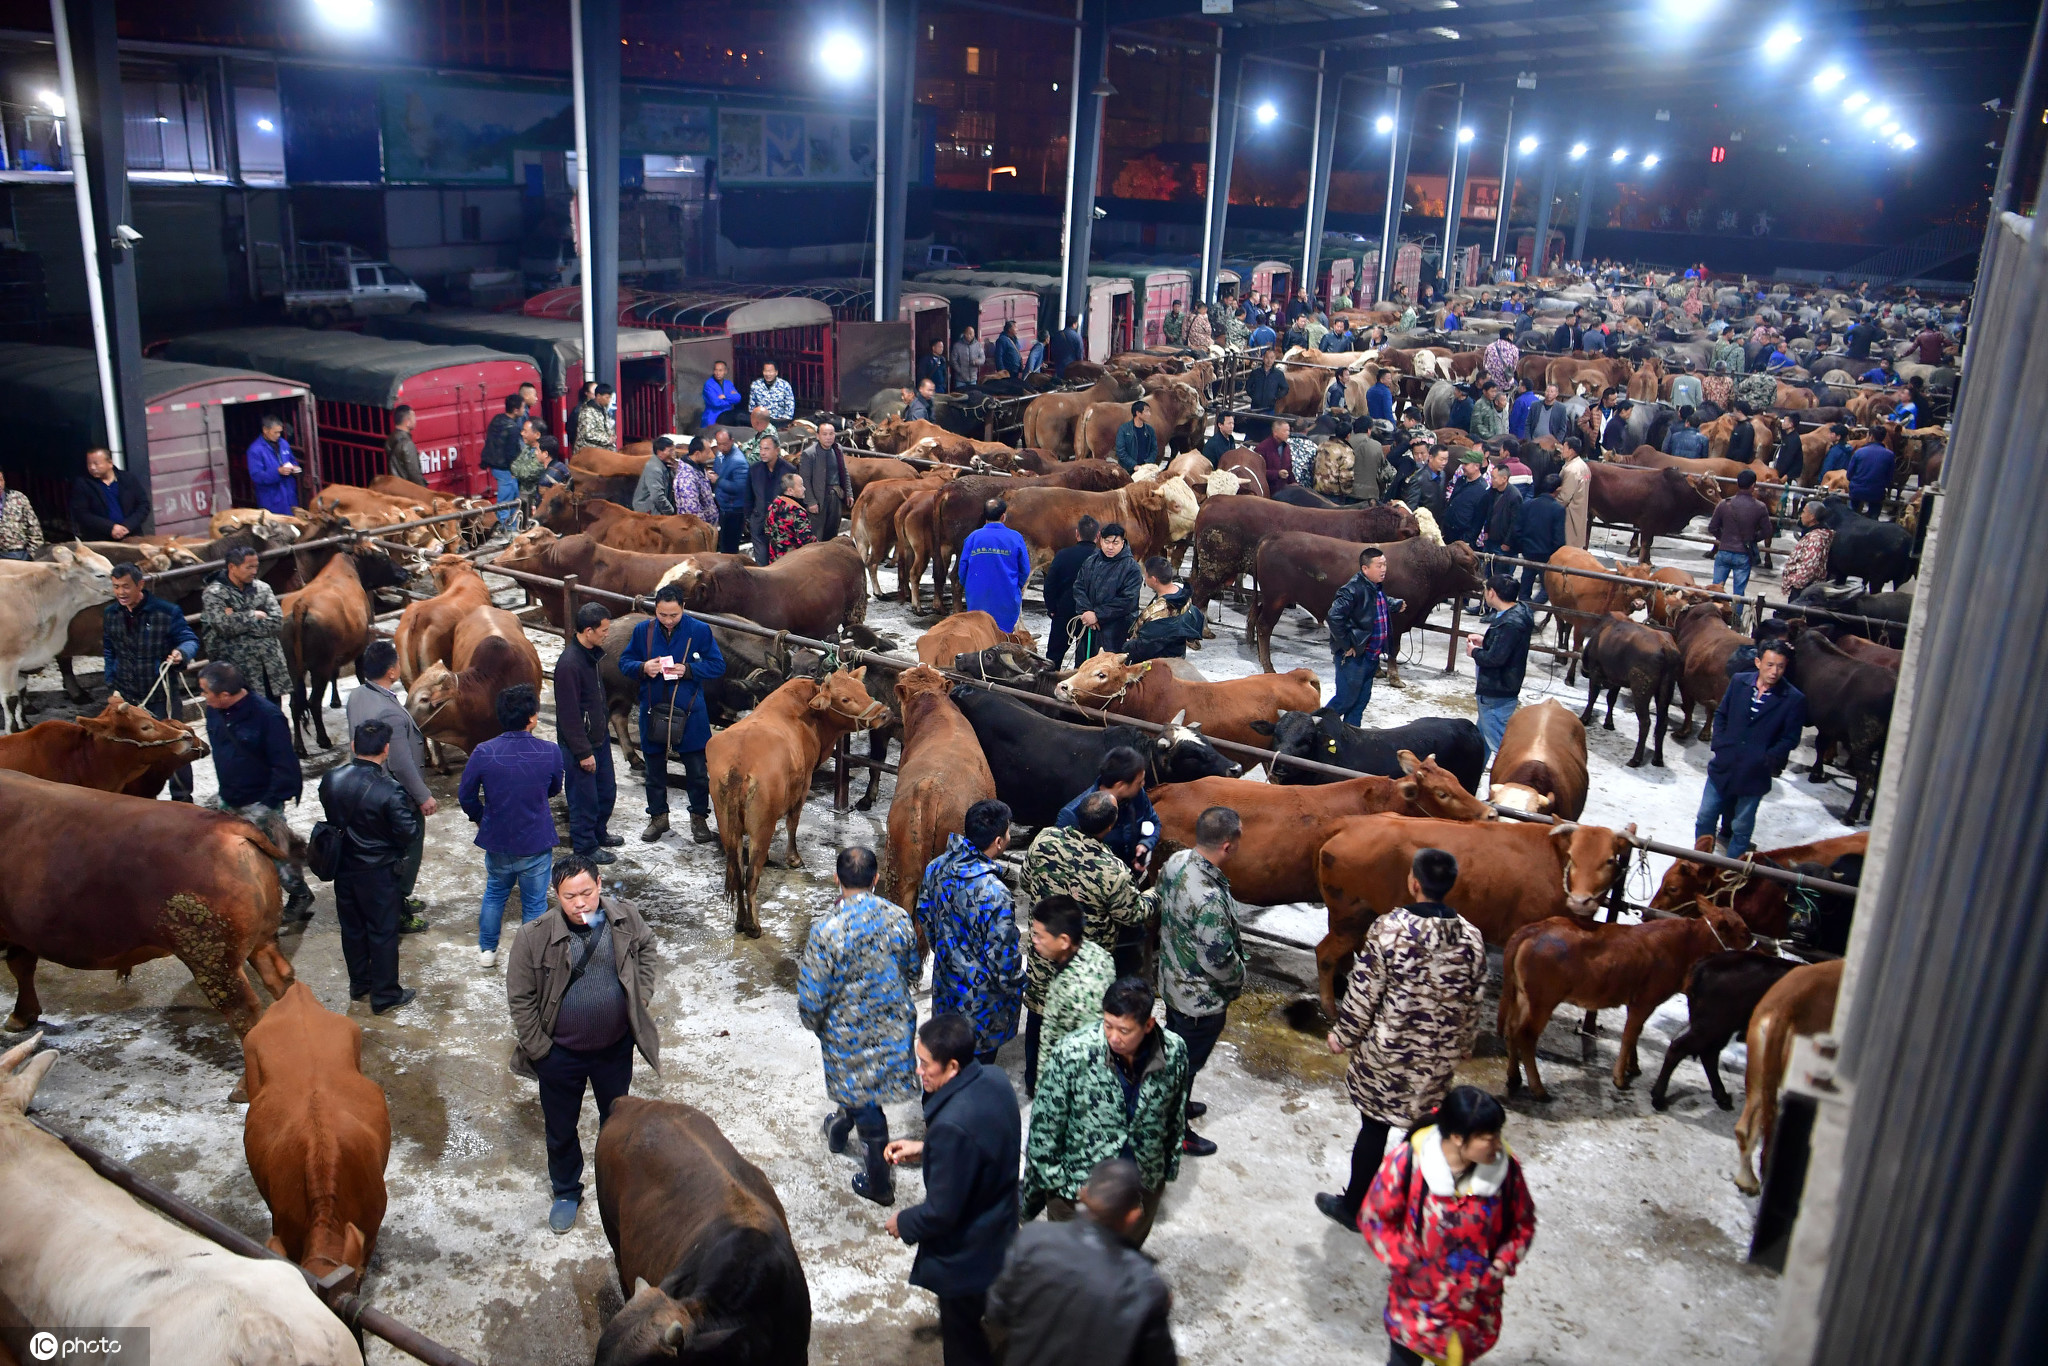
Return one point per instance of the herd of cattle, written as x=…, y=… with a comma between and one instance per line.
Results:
x=981, y=715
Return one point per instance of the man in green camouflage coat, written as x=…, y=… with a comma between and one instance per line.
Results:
x=1201, y=958
x=1080, y=1116
x=1410, y=1014
x=242, y=621
x=1073, y=861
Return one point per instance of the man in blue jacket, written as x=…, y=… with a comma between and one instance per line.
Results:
x=722, y=401
x=253, y=758
x=272, y=470
x=673, y=655
x=971, y=1152
x=995, y=564
x=1755, y=729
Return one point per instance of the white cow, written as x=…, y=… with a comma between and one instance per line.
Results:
x=76, y=1251
x=37, y=601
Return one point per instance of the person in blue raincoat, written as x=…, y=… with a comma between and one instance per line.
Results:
x=672, y=714
x=965, y=912
x=273, y=472
x=854, y=991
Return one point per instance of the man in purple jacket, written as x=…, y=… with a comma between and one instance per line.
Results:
x=505, y=789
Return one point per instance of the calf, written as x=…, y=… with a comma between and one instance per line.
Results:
x=1802, y=1002
x=1229, y=710
x=1323, y=736
x=701, y=1244
x=760, y=771
x=1296, y=569
x=1040, y=764
x=1720, y=996
x=1850, y=704
x=426, y=630
x=460, y=707
x=1660, y=502
x=941, y=774
x=1510, y=874
x=813, y=591
x=1274, y=863
x=1578, y=602
x=1627, y=654
x=122, y=749
x=1228, y=531
x=76, y=1251
x=1570, y=961
x=1541, y=764
x=317, y=1135
x=1705, y=644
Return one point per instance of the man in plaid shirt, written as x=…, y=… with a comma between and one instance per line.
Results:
x=1358, y=633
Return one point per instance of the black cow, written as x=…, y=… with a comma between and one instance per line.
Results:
x=1879, y=553
x=1720, y=996
x=1453, y=742
x=1850, y=704
x=1041, y=764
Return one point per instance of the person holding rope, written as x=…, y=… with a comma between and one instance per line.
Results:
x=673, y=655
x=144, y=640
x=1105, y=595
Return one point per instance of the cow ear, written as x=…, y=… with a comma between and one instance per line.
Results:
x=1263, y=727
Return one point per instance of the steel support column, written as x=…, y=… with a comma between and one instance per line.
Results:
x=1452, y=190
x=597, y=171
x=1405, y=106
x=1546, y=197
x=1084, y=160
x=1506, y=203
x=89, y=70
x=895, y=159
x=1322, y=155
x=1585, y=210
x=1222, y=151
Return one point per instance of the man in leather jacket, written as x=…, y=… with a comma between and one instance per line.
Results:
x=378, y=822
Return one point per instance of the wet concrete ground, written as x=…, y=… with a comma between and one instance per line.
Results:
x=1641, y=1235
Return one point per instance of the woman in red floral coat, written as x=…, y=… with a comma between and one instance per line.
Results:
x=789, y=522
x=1450, y=1215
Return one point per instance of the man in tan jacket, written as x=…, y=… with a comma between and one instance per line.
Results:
x=578, y=983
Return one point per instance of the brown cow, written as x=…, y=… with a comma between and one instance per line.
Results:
x=966, y=633
x=1578, y=602
x=426, y=630
x=1619, y=654
x=1295, y=569
x=1541, y=764
x=460, y=706
x=1274, y=863
x=325, y=626
x=760, y=771
x=1655, y=502
x=1174, y=413
x=1803, y=1002
x=178, y=881
x=317, y=1135
x=1228, y=531
x=1050, y=420
x=1221, y=711
x=1567, y=960
x=812, y=591
x=701, y=1245
x=1705, y=643
x=1510, y=874
x=566, y=512
x=122, y=749
x=940, y=773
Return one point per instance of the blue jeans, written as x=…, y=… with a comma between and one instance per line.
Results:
x=1735, y=815
x=1493, y=720
x=1732, y=568
x=501, y=871
x=1354, y=686
x=508, y=491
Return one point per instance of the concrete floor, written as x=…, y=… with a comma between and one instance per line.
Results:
x=1640, y=1247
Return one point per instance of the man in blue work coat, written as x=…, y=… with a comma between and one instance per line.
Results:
x=674, y=655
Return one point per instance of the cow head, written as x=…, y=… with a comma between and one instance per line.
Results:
x=1437, y=791
x=1181, y=754
x=122, y=723
x=845, y=695
x=1593, y=858
x=1297, y=734
x=1100, y=681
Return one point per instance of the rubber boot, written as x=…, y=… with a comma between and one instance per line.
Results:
x=701, y=831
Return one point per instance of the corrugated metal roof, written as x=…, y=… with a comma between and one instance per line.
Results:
x=344, y=367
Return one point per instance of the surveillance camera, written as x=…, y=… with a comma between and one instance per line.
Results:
x=126, y=235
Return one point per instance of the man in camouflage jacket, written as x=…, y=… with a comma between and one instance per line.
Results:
x=1201, y=958
x=1410, y=1014
x=1080, y=1117
x=964, y=912
x=243, y=622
